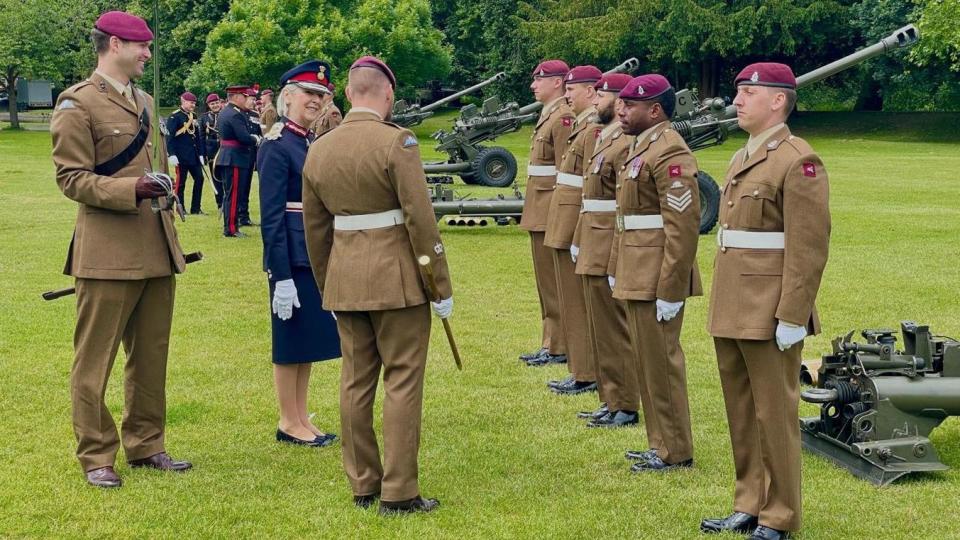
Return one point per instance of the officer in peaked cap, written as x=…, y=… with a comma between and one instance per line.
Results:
x=238, y=147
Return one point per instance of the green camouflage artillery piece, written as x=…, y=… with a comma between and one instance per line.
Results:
x=406, y=114
x=702, y=123
x=879, y=405
x=492, y=166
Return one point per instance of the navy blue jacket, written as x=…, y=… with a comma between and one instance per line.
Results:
x=238, y=148
x=209, y=134
x=187, y=146
x=280, y=163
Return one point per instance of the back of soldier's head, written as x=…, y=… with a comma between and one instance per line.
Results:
x=367, y=83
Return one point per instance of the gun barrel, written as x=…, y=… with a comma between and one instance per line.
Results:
x=497, y=207
x=627, y=66
x=441, y=102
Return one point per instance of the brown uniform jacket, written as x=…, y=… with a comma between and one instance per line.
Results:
x=329, y=118
x=268, y=117
x=658, y=177
x=368, y=166
x=566, y=201
x=783, y=186
x=595, y=230
x=116, y=236
x=549, y=143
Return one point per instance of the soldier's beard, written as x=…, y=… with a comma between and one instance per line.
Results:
x=605, y=116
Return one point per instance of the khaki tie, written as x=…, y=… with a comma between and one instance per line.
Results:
x=128, y=93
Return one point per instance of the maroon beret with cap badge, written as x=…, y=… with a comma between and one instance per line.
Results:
x=375, y=63
x=613, y=82
x=645, y=87
x=584, y=74
x=767, y=74
x=188, y=96
x=551, y=68
x=124, y=25
x=212, y=97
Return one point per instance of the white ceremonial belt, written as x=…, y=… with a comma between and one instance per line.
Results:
x=567, y=179
x=541, y=170
x=295, y=207
x=363, y=222
x=749, y=239
x=633, y=223
x=599, y=205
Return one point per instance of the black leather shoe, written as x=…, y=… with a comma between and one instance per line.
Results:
x=162, y=462
x=531, y=355
x=738, y=522
x=640, y=455
x=655, y=464
x=247, y=223
x=365, y=501
x=593, y=415
x=104, y=477
x=326, y=439
x=578, y=387
x=411, y=506
x=319, y=440
x=615, y=420
x=562, y=382
x=237, y=234
x=198, y=213
x=766, y=533
x=556, y=358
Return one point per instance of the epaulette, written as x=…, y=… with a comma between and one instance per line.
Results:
x=798, y=144
x=274, y=132
x=79, y=85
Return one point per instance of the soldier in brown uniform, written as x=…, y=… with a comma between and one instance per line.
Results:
x=549, y=143
x=330, y=116
x=658, y=220
x=774, y=236
x=367, y=219
x=123, y=254
x=617, y=366
x=268, y=112
x=562, y=217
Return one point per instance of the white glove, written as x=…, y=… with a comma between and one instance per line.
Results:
x=667, y=310
x=203, y=161
x=285, y=299
x=789, y=335
x=612, y=281
x=173, y=161
x=257, y=137
x=334, y=315
x=443, y=308
x=574, y=252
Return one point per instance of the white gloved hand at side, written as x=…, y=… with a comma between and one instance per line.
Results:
x=667, y=310
x=574, y=253
x=203, y=161
x=443, y=308
x=789, y=335
x=285, y=299
x=612, y=281
x=173, y=161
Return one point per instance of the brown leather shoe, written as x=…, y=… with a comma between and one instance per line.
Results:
x=162, y=462
x=104, y=477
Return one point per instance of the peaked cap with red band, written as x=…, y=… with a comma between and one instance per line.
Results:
x=313, y=75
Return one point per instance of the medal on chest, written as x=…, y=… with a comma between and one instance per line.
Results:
x=596, y=168
x=635, y=166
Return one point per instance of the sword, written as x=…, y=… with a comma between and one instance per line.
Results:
x=59, y=293
x=432, y=283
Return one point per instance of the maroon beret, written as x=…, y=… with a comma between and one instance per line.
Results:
x=188, y=96
x=237, y=89
x=551, y=68
x=645, y=87
x=124, y=25
x=212, y=97
x=613, y=82
x=583, y=74
x=767, y=74
x=375, y=63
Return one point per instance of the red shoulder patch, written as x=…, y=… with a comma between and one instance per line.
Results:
x=809, y=169
x=567, y=122
x=674, y=171
x=596, y=133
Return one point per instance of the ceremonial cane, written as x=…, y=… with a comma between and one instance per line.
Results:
x=59, y=293
x=432, y=283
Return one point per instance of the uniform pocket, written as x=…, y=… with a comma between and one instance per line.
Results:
x=111, y=138
x=754, y=198
x=760, y=283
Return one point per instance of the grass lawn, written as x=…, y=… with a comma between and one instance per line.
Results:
x=505, y=457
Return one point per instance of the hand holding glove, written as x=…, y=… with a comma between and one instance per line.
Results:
x=146, y=188
x=574, y=253
x=443, y=308
x=667, y=310
x=789, y=335
x=173, y=161
x=285, y=299
x=612, y=281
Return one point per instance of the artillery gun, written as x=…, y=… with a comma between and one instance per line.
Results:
x=492, y=166
x=409, y=114
x=702, y=123
x=878, y=405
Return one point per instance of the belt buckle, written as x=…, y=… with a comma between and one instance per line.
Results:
x=620, y=225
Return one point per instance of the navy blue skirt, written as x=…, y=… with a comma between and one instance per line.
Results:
x=311, y=334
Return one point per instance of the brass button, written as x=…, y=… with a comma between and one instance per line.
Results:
x=723, y=250
x=729, y=203
x=756, y=192
x=726, y=225
x=734, y=182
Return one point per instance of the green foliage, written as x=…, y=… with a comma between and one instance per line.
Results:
x=939, y=21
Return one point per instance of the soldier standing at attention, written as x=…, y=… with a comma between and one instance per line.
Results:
x=658, y=220
x=367, y=219
x=330, y=116
x=246, y=182
x=774, y=237
x=123, y=254
x=268, y=113
x=617, y=366
x=211, y=141
x=237, y=153
x=562, y=217
x=185, y=149
x=549, y=143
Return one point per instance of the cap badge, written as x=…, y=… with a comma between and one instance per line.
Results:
x=640, y=90
x=543, y=73
x=755, y=77
x=606, y=86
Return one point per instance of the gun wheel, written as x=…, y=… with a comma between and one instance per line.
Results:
x=494, y=167
x=709, y=202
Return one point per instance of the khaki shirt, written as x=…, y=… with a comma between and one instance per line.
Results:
x=659, y=177
x=368, y=166
x=549, y=144
x=565, y=204
x=595, y=230
x=116, y=236
x=782, y=187
x=329, y=118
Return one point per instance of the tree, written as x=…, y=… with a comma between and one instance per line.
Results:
x=938, y=22
x=40, y=39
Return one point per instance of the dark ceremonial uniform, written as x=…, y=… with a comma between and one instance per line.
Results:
x=185, y=141
x=234, y=162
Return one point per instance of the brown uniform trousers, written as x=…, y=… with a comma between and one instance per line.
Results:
x=561, y=223
x=371, y=279
x=549, y=143
x=123, y=256
x=618, y=374
x=329, y=118
x=782, y=187
x=659, y=178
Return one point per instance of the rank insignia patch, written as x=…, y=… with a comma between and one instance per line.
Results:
x=66, y=104
x=438, y=249
x=674, y=171
x=679, y=203
x=809, y=170
x=567, y=122
x=410, y=141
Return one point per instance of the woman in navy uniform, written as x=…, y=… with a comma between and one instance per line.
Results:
x=303, y=332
